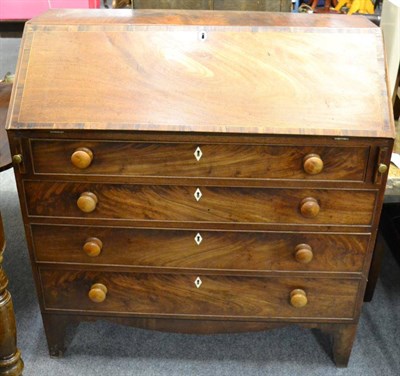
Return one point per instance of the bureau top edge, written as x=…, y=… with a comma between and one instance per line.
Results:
x=126, y=129
x=197, y=136
x=194, y=18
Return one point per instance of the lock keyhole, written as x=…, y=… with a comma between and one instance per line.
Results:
x=198, y=194
x=203, y=35
x=198, y=239
x=198, y=153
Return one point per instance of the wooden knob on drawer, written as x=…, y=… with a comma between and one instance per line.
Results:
x=93, y=247
x=309, y=207
x=313, y=164
x=298, y=298
x=304, y=253
x=87, y=202
x=82, y=158
x=98, y=293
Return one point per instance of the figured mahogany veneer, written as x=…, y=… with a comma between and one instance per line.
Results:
x=179, y=203
x=213, y=160
x=218, y=296
x=201, y=172
x=188, y=249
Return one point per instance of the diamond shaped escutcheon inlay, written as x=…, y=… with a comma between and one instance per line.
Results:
x=198, y=153
x=198, y=194
x=198, y=239
x=198, y=282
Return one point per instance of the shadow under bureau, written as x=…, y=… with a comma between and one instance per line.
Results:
x=201, y=172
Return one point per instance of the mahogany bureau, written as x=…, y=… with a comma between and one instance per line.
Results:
x=201, y=171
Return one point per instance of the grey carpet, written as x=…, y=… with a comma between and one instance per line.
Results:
x=103, y=348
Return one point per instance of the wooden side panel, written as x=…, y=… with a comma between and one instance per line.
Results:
x=178, y=203
x=213, y=249
x=177, y=295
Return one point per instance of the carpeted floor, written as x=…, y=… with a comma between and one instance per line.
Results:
x=103, y=348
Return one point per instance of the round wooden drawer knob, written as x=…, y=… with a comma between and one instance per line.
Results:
x=304, y=253
x=309, y=207
x=298, y=298
x=82, y=158
x=87, y=202
x=98, y=293
x=93, y=247
x=313, y=164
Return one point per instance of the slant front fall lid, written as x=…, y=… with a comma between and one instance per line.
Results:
x=202, y=71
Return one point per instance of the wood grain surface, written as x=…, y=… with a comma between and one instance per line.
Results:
x=220, y=250
x=177, y=295
x=215, y=160
x=178, y=203
x=179, y=83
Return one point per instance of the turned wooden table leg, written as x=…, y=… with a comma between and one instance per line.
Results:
x=343, y=338
x=11, y=363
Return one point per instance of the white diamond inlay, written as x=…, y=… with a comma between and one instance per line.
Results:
x=198, y=194
x=198, y=282
x=198, y=153
x=198, y=239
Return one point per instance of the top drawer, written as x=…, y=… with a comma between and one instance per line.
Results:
x=199, y=160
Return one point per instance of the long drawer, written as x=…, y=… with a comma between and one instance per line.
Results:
x=200, y=295
x=200, y=160
x=257, y=251
x=200, y=204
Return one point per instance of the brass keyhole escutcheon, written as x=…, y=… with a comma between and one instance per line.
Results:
x=17, y=158
x=382, y=168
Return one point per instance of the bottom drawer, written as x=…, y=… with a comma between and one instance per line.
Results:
x=204, y=295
